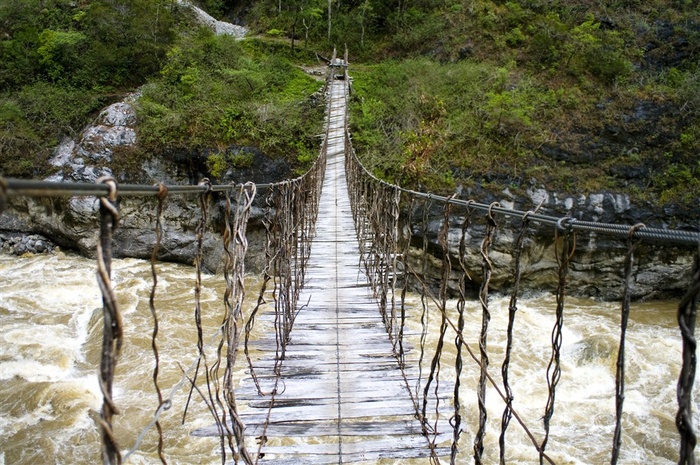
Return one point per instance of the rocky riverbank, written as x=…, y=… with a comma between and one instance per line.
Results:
x=596, y=269
x=20, y=244
x=38, y=225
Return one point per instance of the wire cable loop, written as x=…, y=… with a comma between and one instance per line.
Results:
x=569, y=227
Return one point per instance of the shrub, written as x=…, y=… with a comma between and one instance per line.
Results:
x=216, y=92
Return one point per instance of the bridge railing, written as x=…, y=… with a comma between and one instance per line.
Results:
x=392, y=222
x=289, y=216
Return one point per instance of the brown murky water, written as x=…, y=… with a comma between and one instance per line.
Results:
x=50, y=336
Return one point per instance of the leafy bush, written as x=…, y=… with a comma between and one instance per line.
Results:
x=215, y=91
x=61, y=61
x=35, y=119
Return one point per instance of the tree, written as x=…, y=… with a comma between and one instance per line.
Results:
x=310, y=13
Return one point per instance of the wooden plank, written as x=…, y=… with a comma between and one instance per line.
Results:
x=393, y=447
x=319, y=409
x=330, y=411
x=368, y=457
x=329, y=391
x=326, y=428
x=329, y=428
x=384, y=445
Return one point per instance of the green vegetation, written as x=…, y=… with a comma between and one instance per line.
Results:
x=578, y=96
x=64, y=60
x=215, y=91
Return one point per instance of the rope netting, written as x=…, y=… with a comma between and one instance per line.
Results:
x=393, y=227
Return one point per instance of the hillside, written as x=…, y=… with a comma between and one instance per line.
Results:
x=578, y=96
x=206, y=102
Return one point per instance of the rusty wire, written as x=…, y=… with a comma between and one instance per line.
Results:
x=487, y=269
x=434, y=373
x=235, y=247
x=687, y=315
x=425, y=314
x=405, y=276
x=204, y=200
x=162, y=195
x=554, y=367
x=620, y=364
x=512, y=309
x=461, y=304
x=267, y=277
x=113, y=334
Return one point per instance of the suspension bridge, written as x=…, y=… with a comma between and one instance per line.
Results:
x=341, y=377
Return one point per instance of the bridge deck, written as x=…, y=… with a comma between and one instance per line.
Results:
x=341, y=381
x=344, y=397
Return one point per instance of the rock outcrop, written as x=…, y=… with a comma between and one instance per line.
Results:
x=597, y=266
x=20, y=244
x=72, y=222
x=220, y=27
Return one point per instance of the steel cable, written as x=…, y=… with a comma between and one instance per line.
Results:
x=675, y=236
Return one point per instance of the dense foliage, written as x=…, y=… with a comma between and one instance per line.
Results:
x=62, y=60
x=215, y=92
x=579, y=96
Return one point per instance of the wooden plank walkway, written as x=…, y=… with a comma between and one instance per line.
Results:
x=344, y=398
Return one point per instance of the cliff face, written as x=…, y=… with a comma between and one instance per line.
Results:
x=72, y=223
x=597, y=267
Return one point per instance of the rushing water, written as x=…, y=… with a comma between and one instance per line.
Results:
x=50, y=338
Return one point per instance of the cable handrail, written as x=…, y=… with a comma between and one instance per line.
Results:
x=34, y=188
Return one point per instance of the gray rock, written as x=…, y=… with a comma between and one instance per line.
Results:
x=114, y=127
x=19, y=244
x=219, y=27
x=596, y=269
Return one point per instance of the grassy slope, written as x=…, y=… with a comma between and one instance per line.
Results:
x=202, y=94
x=579, y=96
